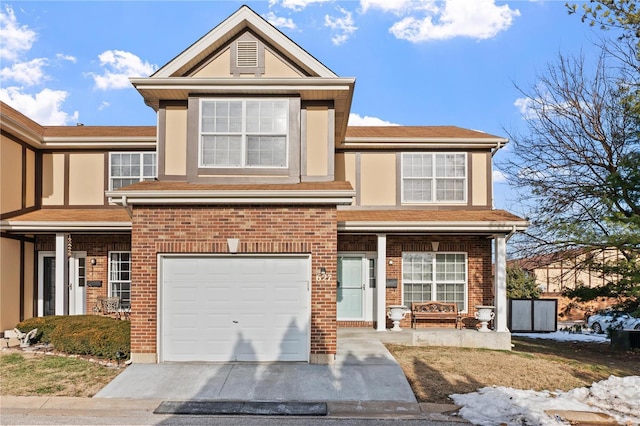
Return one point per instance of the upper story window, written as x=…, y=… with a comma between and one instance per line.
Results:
x=434, y=178
x=244, y=133
x=126, y=168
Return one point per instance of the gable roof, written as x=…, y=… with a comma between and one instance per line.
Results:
x=39, y=136
x=421, y=220
x=243, y=18
x=394, y=137
x=414, y=132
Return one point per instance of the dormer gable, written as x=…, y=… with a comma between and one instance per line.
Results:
x=242, y=26
x=247, y=55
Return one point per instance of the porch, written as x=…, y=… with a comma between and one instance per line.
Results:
x=465, y=338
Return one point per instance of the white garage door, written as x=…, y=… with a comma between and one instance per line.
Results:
x=234, y=309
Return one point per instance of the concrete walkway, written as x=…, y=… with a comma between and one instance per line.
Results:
x=364, y=371
x=364, y=383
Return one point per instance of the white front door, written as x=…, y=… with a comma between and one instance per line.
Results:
x=351, y=288
x=48, y=286
x=77, y=283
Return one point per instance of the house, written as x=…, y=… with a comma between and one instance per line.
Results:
x=568, y=269
x=252, y=222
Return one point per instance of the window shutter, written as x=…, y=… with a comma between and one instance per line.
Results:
x=247, y=54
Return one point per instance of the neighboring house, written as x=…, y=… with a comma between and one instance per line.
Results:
x=252, y=222
x=565, y=270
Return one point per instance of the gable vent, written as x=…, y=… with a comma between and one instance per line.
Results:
x=247, y=54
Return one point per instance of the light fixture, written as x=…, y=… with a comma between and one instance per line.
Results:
x=390, y=261
x=323, y=270
x=93, y=262
x=435, y=245
x=232, y=244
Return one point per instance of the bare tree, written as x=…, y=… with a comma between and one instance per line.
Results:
x=578, y=158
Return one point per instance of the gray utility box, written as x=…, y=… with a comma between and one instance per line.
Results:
x=533, y=315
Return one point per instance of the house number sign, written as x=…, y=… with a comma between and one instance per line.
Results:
x=323, y=277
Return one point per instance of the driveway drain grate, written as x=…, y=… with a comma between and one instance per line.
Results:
x=248, y=408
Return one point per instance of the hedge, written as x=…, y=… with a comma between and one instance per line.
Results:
x=95, y=335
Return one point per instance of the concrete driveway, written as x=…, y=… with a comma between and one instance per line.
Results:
x=364, y=371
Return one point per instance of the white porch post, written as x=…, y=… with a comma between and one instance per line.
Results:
x=62, y=272
x=381, y=285
x=500, y=284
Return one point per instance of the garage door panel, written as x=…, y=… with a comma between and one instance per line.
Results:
x=244, y=309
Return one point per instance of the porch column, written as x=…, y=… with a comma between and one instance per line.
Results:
x=500, y=283
x=381, y=285
x=62, y=273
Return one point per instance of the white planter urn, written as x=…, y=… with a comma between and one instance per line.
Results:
x=484, y=315
x=396, y=314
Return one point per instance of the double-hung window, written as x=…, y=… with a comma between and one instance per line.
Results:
x=126, y=168
x=242, y=133
x=439, y=277
x=434, y=178
x=120, y=277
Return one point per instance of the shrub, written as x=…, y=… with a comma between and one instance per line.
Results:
x=94, y=335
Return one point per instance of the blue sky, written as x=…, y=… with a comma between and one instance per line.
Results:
x=416, y=62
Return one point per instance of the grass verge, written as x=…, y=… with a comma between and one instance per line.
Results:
x=436, y=372
x=31, y=374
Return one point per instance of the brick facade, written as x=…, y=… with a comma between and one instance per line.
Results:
x=478, y=249
x=261, y=230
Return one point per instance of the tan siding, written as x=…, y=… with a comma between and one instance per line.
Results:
x=9, y=283
x=53, y=179
x=29, y=279
x=340, y=172
x=11, y=175
x=86, y=179
x=275, y=67
x=378, y=179
x=317, y=141
x=479, y=179
x=219, y=67
x=175, y=156
x=346, y=168
x=31, y=178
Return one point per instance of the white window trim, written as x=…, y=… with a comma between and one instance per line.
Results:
x=141, y=177
x=243, y=135
x=434, y=179
x=434, y=286
x=109, y=271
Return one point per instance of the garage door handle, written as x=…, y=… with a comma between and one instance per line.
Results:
x=235, y=322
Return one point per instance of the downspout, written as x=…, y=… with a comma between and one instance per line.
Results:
x=499, y=146
x=510, y=234
x=126, y=206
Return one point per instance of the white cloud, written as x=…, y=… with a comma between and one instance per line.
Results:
x=425, y=20
x=104, y=105
x=525, y=106
x=43, y=107
x=16, y=38
x=296, y=5
x=29, y=73
x=397, y=7
x=66, y=57
x=342, y=27
x=118, y=67
x=358, y=120
x=499, y=177
x=279, y=21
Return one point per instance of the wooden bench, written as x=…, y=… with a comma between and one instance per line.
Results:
x=434, y=311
